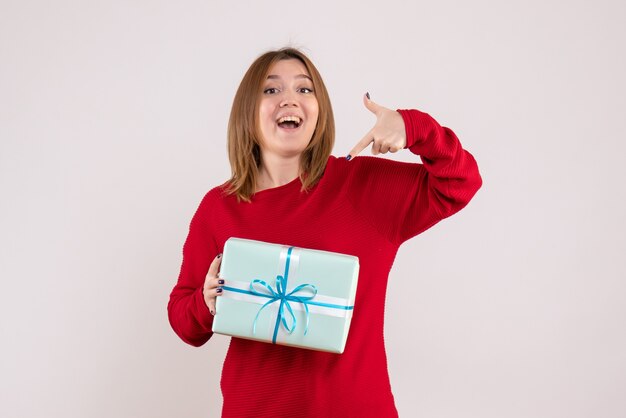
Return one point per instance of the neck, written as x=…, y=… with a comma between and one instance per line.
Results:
x=275, y=172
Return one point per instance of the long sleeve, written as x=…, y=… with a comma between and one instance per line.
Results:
x=403, y=199
x=188, y=314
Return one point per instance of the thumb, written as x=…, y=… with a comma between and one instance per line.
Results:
x=370, y=105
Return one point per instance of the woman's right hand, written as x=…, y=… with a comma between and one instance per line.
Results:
x=213, y=284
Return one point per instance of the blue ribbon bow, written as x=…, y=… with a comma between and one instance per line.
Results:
x=285, y=298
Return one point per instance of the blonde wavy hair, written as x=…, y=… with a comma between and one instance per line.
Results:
x=244, y=133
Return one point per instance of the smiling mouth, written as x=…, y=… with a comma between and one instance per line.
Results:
x=289, y=122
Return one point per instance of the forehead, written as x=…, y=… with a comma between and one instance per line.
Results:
x=286, y=69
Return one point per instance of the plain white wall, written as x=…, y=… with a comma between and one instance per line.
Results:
x=112, y=127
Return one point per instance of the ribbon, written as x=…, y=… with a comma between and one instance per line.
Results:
x=280, y=294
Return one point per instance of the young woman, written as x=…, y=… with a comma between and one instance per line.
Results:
x=286, y=188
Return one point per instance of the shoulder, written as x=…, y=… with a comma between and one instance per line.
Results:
x=214, y=198
x=217, y=193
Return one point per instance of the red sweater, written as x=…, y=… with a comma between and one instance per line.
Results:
x=365, y=207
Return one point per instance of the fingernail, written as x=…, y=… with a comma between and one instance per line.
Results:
x=219, y=290
x=348, y=157
x=219, y=255
x=220, y=281
x=368, y=95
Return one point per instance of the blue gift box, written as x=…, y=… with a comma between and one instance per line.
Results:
x=286, y=295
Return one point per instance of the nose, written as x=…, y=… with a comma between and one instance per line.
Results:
x=288, y=99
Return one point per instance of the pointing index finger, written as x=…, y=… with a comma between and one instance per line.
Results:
x=361, y=145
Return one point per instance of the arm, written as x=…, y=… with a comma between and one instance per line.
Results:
x=187, y=310
x=448, y=178
x=404, y=199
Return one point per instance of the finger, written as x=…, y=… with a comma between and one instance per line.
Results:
x=211, y=284
x=369, y=137
x=376, y=147
x=395, y=147
x=212, y=289
x=214, y=268
x=384, y=149
x=211, y=305
x=370, y=104
x=361, y=145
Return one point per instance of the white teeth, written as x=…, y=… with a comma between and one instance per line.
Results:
x=295, y=119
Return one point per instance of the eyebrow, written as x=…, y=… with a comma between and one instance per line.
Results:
x=275, y=77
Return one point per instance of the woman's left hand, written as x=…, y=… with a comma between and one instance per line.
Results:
x=387, y=135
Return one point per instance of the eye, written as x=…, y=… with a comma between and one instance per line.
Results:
x=270, y=90
x=305, y=90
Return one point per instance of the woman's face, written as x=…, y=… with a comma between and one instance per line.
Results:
x=288, y=109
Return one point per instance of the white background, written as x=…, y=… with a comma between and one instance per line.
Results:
x=112, y=127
